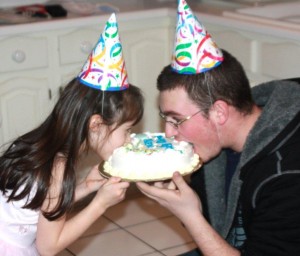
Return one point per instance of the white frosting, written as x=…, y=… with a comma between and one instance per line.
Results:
x=151, y=156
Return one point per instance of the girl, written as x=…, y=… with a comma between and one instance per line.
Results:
x=37, y=171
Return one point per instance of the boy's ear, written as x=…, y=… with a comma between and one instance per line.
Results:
x=221, y=110
x=95, y=122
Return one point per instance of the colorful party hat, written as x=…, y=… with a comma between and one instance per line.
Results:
x=105, y=68
x=194, y=50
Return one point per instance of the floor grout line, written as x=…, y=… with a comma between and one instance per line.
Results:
x=140, y=223
x=125, y=228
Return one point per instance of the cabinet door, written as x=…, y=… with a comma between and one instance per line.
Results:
x=23, y=105
x=280, y=58
x=146, y=52
x=76, y=45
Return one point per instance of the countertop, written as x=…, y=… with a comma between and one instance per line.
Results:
x=131, y=10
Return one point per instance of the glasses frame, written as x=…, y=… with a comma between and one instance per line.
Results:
x=176, y=124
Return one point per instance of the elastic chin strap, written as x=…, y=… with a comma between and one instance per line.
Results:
x=209, y=92
x=102, y=107
x=217, y=131
x=213, y=123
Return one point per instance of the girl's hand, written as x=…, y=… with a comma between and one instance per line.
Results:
x=112, y=192
x=92, y=182
x=176, y=196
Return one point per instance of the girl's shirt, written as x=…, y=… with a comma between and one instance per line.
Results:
x=18, y=226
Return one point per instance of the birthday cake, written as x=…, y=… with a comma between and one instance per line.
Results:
x=150, y=157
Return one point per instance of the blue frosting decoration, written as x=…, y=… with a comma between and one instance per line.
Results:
x=157, y=141
x=160, y=139
x=148, y=143
x=167, y=145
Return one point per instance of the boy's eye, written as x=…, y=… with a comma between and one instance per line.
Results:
x=174, y=119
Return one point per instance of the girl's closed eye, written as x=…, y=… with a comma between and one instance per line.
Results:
x=129, y=131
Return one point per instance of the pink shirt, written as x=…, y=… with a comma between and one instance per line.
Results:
x=18, y=226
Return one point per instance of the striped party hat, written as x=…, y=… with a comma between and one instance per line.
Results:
x=194, y=50
x=105, y=67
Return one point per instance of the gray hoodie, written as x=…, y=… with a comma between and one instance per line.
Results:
x=281, y=104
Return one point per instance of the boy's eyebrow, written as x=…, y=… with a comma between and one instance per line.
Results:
x=170, y=112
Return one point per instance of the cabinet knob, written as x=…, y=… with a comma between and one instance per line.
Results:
x=19, y=56
x=86, y=47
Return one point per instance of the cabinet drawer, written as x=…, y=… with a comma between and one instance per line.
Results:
x=235, y=42
x=21, y=53
x=280, y=59
x=77, y=45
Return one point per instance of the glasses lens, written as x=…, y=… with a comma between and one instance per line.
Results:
x=162, y=115
x=168, y=120
x=175, y=125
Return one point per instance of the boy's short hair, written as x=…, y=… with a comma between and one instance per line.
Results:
x=227, y=82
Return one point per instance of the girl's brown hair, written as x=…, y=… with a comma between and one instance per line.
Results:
x=28, y=161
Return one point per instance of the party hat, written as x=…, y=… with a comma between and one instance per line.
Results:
x=105, y=68
x=194, y=50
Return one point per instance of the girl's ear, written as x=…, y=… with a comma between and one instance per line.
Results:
x=95, y=122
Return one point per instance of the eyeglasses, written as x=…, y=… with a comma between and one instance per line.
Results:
x=175, y=123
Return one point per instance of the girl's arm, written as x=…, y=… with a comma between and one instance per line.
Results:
x=54, y=236
x=92, y=182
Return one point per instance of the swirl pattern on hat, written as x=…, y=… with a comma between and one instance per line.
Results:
x=105, y=67
x=194, y=50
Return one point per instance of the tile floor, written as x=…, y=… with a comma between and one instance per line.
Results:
x=135, y=227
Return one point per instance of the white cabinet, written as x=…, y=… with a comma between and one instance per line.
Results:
x=37, y=59
x=23, y=104
x=22, y=53
x=280, y=58
x=264, y=57
x=146, y=52
x=75, y=45
x=238, y=44
x=34, y=66
x=24, y=89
